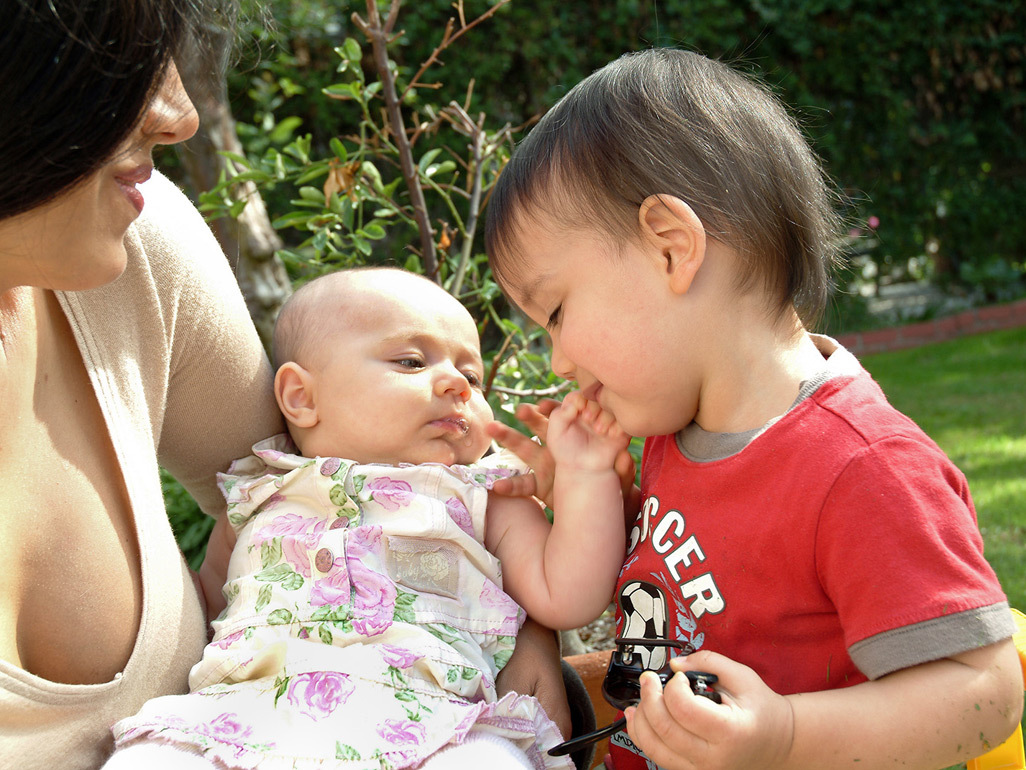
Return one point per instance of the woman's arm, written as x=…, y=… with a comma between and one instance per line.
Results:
x=534, y=669
x=219, y=398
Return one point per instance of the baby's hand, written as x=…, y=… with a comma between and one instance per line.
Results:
x=531, y=451
x=584, y=436
x=536, y=454
x=678, y=730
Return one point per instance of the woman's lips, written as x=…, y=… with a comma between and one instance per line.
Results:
x=127, y=182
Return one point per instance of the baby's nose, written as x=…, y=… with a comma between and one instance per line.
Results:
x=453, y=383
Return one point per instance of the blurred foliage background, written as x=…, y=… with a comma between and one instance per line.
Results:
x=915, y=108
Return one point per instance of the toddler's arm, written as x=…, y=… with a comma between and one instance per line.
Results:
x=927, y=716
x=564, y=574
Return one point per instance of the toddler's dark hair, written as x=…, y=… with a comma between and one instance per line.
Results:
x=673, y=122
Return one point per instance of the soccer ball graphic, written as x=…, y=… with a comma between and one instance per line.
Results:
x=644, y=614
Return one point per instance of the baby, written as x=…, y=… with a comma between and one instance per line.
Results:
x=368, y=614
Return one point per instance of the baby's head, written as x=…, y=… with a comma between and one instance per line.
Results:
x=672, y=123
x=379, y=365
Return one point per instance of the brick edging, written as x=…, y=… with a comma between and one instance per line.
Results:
x=981, y=319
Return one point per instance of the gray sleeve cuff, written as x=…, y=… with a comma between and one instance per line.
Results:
x=932, y=640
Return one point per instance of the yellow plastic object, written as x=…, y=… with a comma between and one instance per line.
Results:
x=1009, y=755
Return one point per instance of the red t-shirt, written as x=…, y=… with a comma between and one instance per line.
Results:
x=840, y=544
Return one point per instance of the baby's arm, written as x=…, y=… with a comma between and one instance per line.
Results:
x=927, y=716
x=564, y=574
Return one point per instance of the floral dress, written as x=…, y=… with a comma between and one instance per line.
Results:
x=365, y=626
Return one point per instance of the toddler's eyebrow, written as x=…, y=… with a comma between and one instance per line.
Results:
x=530, y=291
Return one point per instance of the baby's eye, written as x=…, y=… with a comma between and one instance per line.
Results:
x=410, y=363
x=554, y=317
x=473, y=379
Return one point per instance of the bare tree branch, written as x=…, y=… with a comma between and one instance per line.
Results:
x=378, y=37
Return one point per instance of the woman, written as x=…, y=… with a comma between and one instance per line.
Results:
x=124, y=345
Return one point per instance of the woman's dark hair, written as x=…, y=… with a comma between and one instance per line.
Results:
x=75, y=77
x=671, y=122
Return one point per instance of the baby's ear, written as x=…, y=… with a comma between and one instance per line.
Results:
x=675, y=230
x=294, y=391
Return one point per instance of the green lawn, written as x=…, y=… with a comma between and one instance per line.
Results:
x=969, y=395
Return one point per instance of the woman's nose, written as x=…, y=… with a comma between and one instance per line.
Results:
x=170, y=117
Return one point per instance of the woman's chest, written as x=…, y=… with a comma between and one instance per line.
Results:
x=71, y=591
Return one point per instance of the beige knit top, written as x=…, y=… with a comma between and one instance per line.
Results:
x=183, y=383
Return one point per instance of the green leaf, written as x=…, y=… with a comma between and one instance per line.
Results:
x=324, y=632
x=263, y=597
x=292, y=219
x=427, y=158
x=345, y=751
x=322, y=613
x=257, y=176
x=351, y=50
x=315, y=171
x=281, y=685
x=275, y=574
x=242, y=160
x=338, y=148
x=284, y=130
x=362, y=246
x=446, y=167
x=280, y=617
x=373, y=231
x=343, y=91
x=270, y=552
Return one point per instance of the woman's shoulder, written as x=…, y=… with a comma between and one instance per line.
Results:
x=169, y=224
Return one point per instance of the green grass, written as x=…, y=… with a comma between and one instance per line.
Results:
x=969, y=395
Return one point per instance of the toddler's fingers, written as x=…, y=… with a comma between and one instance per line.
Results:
x=606, y=425
x=654, y=730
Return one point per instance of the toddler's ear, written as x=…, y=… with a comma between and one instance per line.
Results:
x=294, y=391
x=676, y=231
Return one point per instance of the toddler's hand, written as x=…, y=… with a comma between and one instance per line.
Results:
x=584, y=436
x=678, y=730
x=536, y=454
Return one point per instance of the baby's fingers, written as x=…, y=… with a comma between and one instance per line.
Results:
x=525, y=485
x=536, y=416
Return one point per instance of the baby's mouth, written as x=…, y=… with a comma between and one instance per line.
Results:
x=457, y=425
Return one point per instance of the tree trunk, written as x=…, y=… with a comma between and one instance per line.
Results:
x=249, y=241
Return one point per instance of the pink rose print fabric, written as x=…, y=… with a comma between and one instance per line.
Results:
x=366, y=622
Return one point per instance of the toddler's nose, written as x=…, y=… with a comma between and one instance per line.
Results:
x=561, y=365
